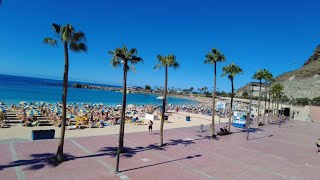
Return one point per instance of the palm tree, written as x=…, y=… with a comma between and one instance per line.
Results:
x=122, y=57
x=231, y=71
x=267, y=76
x=165, y=62
x=75, y=41
x=213, y=57
x=259, y=75
x=205, y=89
x=277, y=89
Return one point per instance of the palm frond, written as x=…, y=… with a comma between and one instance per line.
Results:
x=136, y=59
x=176, y=65
x=158, y=66
x=115, y=62
x=232, y=70
x=50, y=41
x=81, y=47
x=111, y=53
x=56, y=28
x=133, y=51
x=78, y=37
x=132, y=68
x=214, y=56
x=67, y=33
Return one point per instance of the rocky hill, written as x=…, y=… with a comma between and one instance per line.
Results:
x=305, y=81
x=302, y=82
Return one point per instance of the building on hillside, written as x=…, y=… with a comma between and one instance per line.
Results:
x=246, y=88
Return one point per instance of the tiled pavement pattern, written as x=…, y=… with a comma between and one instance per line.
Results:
x=288, y=152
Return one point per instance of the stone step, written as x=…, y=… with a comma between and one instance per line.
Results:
x=44, y=121
x=10, y=114
x=12, y=121
x=45, y=124
x=12, y=118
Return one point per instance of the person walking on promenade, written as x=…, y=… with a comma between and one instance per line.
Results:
x=318, y=144
x=150, y=126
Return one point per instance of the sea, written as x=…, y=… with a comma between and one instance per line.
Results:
x=14, y=89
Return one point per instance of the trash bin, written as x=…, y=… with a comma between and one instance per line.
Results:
x=52, y=132
x=188, y=118
x=41, y=134
x=34, y=135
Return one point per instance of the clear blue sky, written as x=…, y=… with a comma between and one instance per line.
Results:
x=253, y=34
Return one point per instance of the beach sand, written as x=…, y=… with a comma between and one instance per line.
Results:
x=18, y=133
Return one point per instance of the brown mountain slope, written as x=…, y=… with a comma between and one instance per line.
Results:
x=303, y=82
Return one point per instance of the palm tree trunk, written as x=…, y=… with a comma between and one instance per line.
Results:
x=163, y=105
x=259, y=102
x=274, y=105
x=124, y=104
x=231, y=102
x=123, y=111
x=60, y=156
x=278, y=100
x=265, y=102
x=269, y=104
x=213, y=133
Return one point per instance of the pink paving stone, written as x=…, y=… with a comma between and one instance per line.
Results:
x=6, y=170
x=80, y=168
x=289, y=153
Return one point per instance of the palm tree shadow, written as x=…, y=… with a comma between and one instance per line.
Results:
x=261, y=137
x=165, y=162
x=37, y=162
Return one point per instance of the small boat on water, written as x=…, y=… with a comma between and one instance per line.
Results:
x=160, y=97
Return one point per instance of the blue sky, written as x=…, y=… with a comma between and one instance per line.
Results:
x=253, y=34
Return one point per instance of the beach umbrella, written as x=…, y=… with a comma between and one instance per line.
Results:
x=55, y=109
x=1, y=103
x=23, y=103
x=119, y=105
x=131, y=106
x=69, y=116
x=2, y=109
x=82, y=110
x=33, y=112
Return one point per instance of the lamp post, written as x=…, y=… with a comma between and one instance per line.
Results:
x=249, y=113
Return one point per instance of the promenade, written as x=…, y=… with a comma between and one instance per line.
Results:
x=274, y=153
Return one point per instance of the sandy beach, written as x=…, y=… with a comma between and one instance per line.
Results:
x=19, y=133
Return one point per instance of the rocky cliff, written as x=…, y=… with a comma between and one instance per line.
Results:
x=302, y=82
x=305, y=81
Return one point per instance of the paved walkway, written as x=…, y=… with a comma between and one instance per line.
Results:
x=288, y=152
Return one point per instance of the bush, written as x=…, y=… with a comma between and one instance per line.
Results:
x=302, y=101
x=316, y=101
x=245, y=94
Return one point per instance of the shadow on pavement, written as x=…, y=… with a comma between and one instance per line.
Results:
x=39, y=161
x=188, y=157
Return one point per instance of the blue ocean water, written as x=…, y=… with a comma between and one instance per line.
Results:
x=14, y=89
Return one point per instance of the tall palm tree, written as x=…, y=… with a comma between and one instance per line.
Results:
x=259, y=75
x=277, y=89
x=75, y=41
x=213, y=57
x=165, y=62
x=231, y=71
x=123, y=57
x=267, y=76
